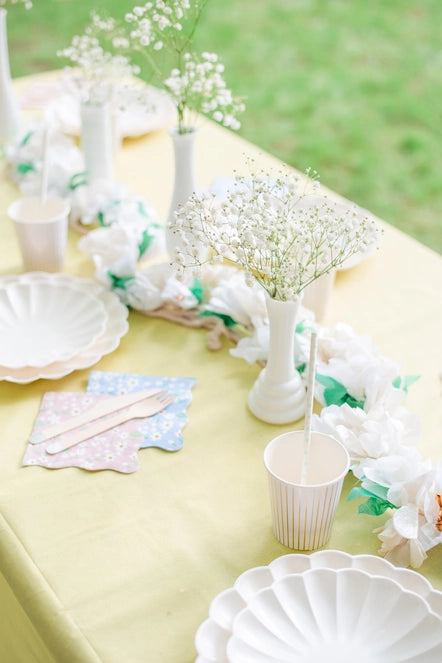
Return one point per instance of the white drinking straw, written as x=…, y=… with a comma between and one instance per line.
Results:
x=44, y=172
x=309, y=406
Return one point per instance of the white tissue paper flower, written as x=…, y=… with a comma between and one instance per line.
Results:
x=112, y=250
x=112, y=203
x=24, y=161
x=354, y=362
x=157, y=285
x=244, y=303
x=411, y=531
x=365, y=435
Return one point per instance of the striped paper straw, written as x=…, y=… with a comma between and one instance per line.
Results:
x=309, y=406
x=44, y=172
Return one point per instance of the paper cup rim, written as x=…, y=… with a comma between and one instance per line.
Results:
x=306, y=485
x=65, y=208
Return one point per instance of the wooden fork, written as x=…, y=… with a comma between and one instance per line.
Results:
x=140, y=410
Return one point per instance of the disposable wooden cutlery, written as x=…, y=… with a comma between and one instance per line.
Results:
x=140, y=410
x=107, y=406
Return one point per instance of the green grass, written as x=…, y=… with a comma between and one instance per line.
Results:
x=348, y=87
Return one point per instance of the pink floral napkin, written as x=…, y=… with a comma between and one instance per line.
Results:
x=116, y=449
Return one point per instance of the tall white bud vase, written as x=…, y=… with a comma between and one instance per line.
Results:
x=278, y=395
x=10, y=116
x=184, y=184
x=97, y=141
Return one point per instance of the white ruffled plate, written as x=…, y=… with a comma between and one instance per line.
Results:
x=116, y=326
x=47, y=319
x=135, y=119
x=213, y=635
x=338, y=616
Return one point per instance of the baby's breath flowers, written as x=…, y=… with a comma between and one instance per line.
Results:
x=97, y=71
x=196, y=81
x=200, y=86
x=284, y=235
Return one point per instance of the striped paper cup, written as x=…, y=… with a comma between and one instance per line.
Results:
x=303, y=514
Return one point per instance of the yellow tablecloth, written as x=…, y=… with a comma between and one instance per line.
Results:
x=105, y=567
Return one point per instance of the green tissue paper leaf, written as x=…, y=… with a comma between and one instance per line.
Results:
x=356, y=492
x=197, y=290
x=228, y=321
x=24, y=168
x=26, y=138
x=405, y=382
x=374, y=506
x=335, y=393
x=79, y=179
x=119, y=281
x=145, y=243
x=301, y=368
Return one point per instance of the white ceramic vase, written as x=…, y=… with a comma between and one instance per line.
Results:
x=317, y=295
x=10, y=115
x=184, y=186
x=97, y=140
x=278, y=395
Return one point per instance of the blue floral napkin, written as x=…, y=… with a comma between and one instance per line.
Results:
x=163, y=430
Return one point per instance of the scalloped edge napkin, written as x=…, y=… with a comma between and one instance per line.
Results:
x=163, y=430
x=116, y=449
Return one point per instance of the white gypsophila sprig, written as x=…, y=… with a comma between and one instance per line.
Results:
x=199, y=87
x=96, y=70
x=195, y=83
x=26, y=3
x=282, y=235
x=160, y=24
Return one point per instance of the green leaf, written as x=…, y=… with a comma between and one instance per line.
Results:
x=356, y=492
x=24, y=168
x=301, y=368
x=145, y=243
x=119, y=281
x=374, y=506
x=335, y=393
x=78, y=179
x=26, y=138
x=405, y=382
x=228, y=321
x=197, y=289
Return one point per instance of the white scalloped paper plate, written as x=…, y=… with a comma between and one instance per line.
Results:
x=214, y=634
x=338, y=616
x=47, y=319
x=115, y=328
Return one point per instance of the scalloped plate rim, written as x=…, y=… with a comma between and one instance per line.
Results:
x=116, y=327
x=338, y=555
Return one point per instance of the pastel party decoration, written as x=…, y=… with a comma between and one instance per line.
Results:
x=164, y=429
x=116, y=449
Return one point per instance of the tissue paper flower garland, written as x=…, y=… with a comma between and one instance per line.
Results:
x=361, y=392
x=123, y=216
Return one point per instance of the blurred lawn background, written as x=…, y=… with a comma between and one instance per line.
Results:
x=350, y=88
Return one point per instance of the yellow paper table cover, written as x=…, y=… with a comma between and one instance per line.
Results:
x=105, y=567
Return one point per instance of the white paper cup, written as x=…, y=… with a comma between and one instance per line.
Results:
x=303, y=515
x=41, y=228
